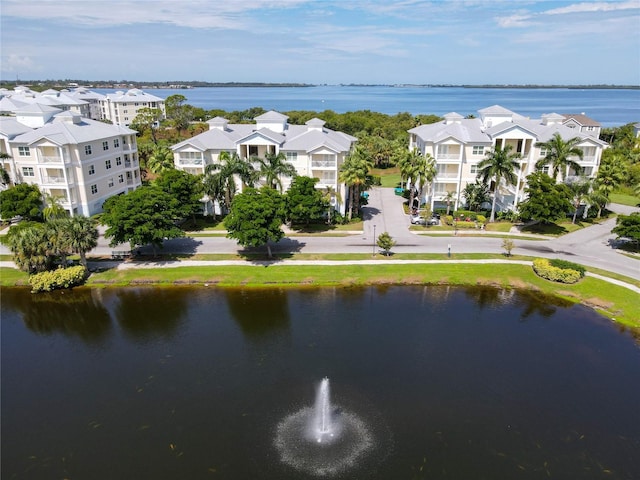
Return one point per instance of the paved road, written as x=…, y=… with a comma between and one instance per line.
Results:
x=591, y=246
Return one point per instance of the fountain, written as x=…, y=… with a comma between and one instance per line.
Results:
x=324, y=440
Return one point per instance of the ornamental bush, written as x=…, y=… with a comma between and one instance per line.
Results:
x=556, y=262
x=60, y=278
x=481, y=219
x=544, y=269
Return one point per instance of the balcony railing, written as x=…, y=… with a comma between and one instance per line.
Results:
x=53, y=179
x=445, y=175
x=190, y=161
x=447, y=156
x=323, y=164
x=129, y=181
x=51, y=159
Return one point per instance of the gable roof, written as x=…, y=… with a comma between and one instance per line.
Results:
x=581, y=118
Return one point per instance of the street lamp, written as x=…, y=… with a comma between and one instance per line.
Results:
x=374, y=241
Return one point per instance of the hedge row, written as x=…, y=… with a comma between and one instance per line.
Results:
x=477, y=222
x=60, y=278
x=545, y=269
x=556, y=262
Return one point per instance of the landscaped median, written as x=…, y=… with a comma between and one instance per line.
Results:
x=615, y=301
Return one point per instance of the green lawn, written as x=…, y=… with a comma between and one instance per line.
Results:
x=624, y=199
x=390, y=177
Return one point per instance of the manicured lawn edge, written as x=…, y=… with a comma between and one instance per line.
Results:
x=613, y=301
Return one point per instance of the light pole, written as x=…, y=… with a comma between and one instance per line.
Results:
x=374, y=241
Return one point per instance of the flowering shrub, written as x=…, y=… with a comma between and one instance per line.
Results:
x=60, y=278
x=544, y=269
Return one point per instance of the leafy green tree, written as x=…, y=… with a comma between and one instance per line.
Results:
x=547, y=200
x=146, y=121
x=385, y=242
x=273, y=166
x=160, y=160
x=628, y=226
x=499, y=164
x=144, y=216
x=475, y=194
x=256, y=218
x=185, y=187
x=23, y=199
x=220, y=178
x=354, y=172
x=559, y=155
x=597, y=198
x=179, y=115
x=305, y=203
x=80, y=235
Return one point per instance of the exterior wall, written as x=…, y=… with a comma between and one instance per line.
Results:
x=68, y=172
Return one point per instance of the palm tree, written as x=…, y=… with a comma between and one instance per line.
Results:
x=559, y=155
x=354, y=172
x=53, y=209
x=408, y=163
x=81, y=236
x=426, y=171
x=329, y=193
x=580, y=190
x=31, y=248
x=611, y=174
x=499, y=164
x=449, y=198
x=160, y=160
x=220, y=178
x=273, y=166
x=598, y=198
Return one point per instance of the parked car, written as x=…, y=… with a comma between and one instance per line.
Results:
x=417, y=220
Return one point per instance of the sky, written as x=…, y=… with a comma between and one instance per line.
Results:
x=323, y=41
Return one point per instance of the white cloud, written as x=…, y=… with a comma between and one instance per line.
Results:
x=18, y=64
x=591, y=7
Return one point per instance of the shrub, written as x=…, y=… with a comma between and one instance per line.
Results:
x=60, y=278
x=448, y=219
x=376, y=180
x=481, y=219
x=556, y=262
x=544, y=269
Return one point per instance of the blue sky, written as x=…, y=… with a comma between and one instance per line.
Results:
x=323, y=41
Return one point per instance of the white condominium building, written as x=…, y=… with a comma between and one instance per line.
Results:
x=122, y=107
x=458, y=144
x=81, y=162
x=315, y=151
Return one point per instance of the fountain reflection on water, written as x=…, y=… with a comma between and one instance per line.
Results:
x=323, y=440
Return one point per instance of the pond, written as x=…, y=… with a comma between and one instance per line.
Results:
x=197, y=383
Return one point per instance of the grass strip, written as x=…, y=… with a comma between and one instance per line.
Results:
x=615, y=302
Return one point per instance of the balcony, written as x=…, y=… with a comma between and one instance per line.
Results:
x=446, y=175
x=190, y=161
x=447, y=156
x=53, y=180
x=51, y=159
x=323, y=164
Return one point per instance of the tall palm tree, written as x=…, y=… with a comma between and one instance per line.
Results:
x=31, y=248
x=499, y=164
x=611, y=174
x=81, y=236
x=559, y=155
x=273, y=166
x=160, y=160
x=5, y=179
x=329, y=193
x=426, y=171
x=354, y=172
x=449, y=198
x=220, y=178
x=409, y=162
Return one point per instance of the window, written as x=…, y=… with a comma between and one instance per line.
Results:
x=107, y=164
x=120, y=178
x=24, y=151
x=105, y=145
x=116, y=143
x=110, y=182
x=253, y=150
x=590, y=128
x=474, y=169
x=543, y=152
x=87, y=149
x=94, y=189
x=92, y=170
x=28, y=172
x=478, y=150
x=545, y=169
x=292, y=156
x=118, y=161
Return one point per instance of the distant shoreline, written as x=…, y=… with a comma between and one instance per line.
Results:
x=185, y=85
